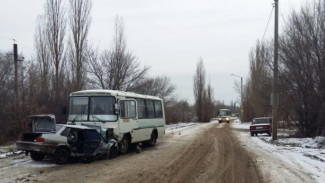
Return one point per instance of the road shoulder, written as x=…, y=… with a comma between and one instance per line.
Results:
x=273, y=169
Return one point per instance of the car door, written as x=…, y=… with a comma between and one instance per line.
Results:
x=91, y=142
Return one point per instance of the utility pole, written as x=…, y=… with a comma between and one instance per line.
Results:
x=16, y=72
x=16, y=99
x=275, y=75
x=16, y=102
x=241, y=100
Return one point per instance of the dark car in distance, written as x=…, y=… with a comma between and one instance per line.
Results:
x=261, y=125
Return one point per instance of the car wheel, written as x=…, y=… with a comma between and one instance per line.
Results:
x=256, y=134
x=124, y=145
x=36, y=156
x=152, y=140
x=252, y=134
x=61, y=156
x=269, y=133
x=113, y=152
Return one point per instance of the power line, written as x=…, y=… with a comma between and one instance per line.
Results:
x=7, y=38
x=268, y=23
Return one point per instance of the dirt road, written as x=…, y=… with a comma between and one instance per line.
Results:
x=202, y=153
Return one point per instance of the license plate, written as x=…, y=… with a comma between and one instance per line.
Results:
x=259, y=127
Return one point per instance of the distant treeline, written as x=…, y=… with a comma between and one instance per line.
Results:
x=301, y=72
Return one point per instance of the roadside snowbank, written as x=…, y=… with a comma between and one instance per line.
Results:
x=5, y=153
x=176, y=126
x=306, y=153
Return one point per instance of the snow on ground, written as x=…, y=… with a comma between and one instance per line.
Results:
x=31, y=163
x=9, y=153
x=17, y=158
x=173, y=127
x=9, y=150
x=306, y=153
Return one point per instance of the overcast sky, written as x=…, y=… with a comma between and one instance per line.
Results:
x=167, y=35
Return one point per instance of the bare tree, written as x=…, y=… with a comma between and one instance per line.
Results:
x=159, y=86
x=95, y=68
x=118, y=69
x=43, y=60
x=10, y=113
x=260, y=81
x=178, y=111
x=6, y=78
x=208, y=103
x=80, y=20
x=302, y=71
x=56, y=30
x=6, y=96
x=198, y=88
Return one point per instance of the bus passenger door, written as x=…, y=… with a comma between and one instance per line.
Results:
x=128, y=118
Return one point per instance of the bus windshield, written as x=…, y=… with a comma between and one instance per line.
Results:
x=224, y=112
x=99, y=108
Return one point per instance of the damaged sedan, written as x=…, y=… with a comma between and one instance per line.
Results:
x=64, y=141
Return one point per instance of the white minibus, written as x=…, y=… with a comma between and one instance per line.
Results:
x=125, y=116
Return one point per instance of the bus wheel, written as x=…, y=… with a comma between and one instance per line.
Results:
x=152, y=140
x=124, y=145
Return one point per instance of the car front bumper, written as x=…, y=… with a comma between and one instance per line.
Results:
x=224, y=119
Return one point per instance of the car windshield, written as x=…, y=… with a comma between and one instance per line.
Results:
x=259, y=121
x=92, y=109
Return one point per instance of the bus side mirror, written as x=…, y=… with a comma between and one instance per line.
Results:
x=117, y=108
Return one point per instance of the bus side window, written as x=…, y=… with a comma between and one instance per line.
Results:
x=150, y=109
x=127, y=109
x=158, y=109
x=142, y=112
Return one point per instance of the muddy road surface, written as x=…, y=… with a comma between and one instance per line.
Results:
x=202, y=153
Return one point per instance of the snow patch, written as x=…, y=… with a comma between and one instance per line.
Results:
x=9, y=153
x=176, y=126
x=308, y=154
x=37, y=164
